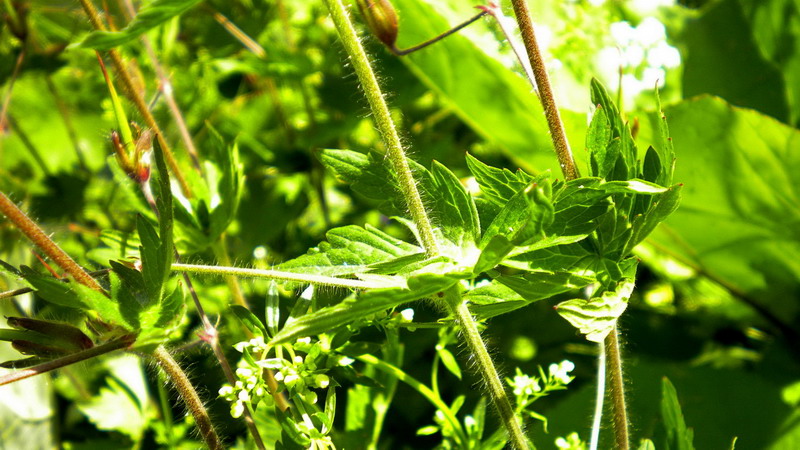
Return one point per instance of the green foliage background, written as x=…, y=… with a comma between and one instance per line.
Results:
x=717, y=305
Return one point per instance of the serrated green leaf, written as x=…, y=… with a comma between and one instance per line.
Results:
x=349, y=250
x=679, y=437
x=493, y=299
x=596, y=317
x=150, y=16
x=534, y=286
x=456, y=215
x=493, y=253
x=361, y=306
x=498, y=185
x=618, y=160
x=152, y=263
x=659, y=210
x=52, y=290
x=524, y=218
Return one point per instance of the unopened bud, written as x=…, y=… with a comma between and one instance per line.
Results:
x=66, y=336
x=381, y=19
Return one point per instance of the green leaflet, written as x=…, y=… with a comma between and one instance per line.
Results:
x=349, y=250
x=455, y=214
x=679, y=437
x=362, y=306
x=150, y=16
x=508, y=293
x=597, y=316
x=499, y=185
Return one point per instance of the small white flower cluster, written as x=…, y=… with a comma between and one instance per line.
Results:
x=297, y=375
x=571, y=442
x=528, y=389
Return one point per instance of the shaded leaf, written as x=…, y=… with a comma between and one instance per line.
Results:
x=150, y=16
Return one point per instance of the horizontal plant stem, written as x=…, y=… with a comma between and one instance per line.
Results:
x=32, y=231
x=485, y=365
x=189, y=396
x=278, y=275
x=383, y=119
x=418, y=386
x=73, y=358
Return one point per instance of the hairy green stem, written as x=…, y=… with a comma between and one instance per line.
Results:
x=278, y=275
x=617, y=390
x=73, y=358
x=189, y=396
x=566, y=161
x=557, y=132
x=32, y=231
x=383, y=119
x=477, y=347
x=397, y=157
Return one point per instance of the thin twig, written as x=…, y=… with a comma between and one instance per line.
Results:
x=456, y=29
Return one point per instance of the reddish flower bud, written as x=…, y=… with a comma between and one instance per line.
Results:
x=381, y=19
x=68, y=337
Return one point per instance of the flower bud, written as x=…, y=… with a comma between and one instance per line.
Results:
x=66, y=336
x=381, y=19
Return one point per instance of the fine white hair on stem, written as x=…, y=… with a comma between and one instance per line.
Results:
x=600, y=396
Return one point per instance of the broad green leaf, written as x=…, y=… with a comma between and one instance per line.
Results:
x=150, y=16
x=122, y=403
x=679, y=437
x=712, y=55
x=349, y=250
x=361, y=306
x=498, y=185
x=152, y=264
x=596, y=317
x=739, y=213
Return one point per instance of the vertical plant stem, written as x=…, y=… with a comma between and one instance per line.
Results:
x=189, y=396
x=617, y=390
x=567, y=163
x=557, y=133
x=597, y=419
x=473, y=339
x=397, y=157
x=135, y=96
x=32, y=231
x=383, y=119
